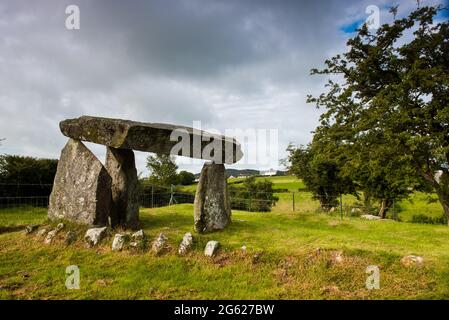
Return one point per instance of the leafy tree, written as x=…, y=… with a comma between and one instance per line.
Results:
x=26, y=176
x=163, y=170
x=253, y=195
x=320, y=173
x=186, y=178
x=395, y=92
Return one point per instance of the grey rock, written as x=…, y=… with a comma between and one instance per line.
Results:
x=370, y=217
x=137, y=238
x=186, y=243
x=31, y=228
x=94, y=235
x=151, y=137
x=70, y=237
x=412, y=260
x=82, y=187
x=211, y=248
x=212, y=209
x=42, y=232
x=120, y=164
x=118, y=242
x=51, y=234
x=159, y=244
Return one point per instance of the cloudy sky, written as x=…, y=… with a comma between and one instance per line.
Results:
x=229, y=64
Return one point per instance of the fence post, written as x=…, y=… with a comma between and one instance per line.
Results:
x=341, y=207
x=152, y=196
x=293, y=198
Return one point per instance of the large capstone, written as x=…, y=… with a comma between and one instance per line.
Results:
x=82, y=187
x=212, y=210
x=120, y=165
x=153, y=137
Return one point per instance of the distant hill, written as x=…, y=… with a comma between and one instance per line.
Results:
x=244, y=172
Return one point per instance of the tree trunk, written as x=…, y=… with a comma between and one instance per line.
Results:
x=384, y=206
x=441, y=186
x=443, y=197
x=367, y=201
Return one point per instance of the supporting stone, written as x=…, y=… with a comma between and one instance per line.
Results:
x=212, y=209
x=120, y=165
x=82, y=187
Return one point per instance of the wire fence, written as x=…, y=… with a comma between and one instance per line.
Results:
x=26, y=197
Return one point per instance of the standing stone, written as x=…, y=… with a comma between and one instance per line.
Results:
x=120, y=165
x=212, y=209
x=82, y=187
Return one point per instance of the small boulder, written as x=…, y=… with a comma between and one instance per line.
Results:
x=370, y=217
x=412, y=260
x=337, y=257
x=186, y=243
x=118, y=242
x=70, y=237
x=137, y=238
x=159, y=243
x=94, y=235
x=50, y=235
x=42, y=232
x=31, y=228
x=211, y=248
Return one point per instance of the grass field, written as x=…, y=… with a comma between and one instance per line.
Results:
x=282, y=260
x=419, y=203
x=280, y=263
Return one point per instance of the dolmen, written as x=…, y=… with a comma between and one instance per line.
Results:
x=87, y=192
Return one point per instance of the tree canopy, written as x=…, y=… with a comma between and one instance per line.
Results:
x=386, y=119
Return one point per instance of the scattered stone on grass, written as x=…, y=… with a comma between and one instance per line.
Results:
x=137, y=239
x=94, y=235
x=412, y=260
x=42, y=232
x=211, y=248
x=186, y=243
x=159, y=244
x=31, y=228
x=50, y=235
x=118, y=242
x=70, y=237
x=370, y=217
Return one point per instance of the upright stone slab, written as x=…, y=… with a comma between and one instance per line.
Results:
x=212, y=209
x=120, y=165
x=82, y=187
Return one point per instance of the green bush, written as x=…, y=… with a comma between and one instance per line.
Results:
x=421, y=218
x=253, y=196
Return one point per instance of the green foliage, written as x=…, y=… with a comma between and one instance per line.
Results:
x=386, y=122
x=321, y=174
x=163, y=170
x=30, y=176
x=22, y=170
x=186, y=178
x=422, y=218
x=255, y=195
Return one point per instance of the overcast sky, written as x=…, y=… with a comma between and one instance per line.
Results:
x=229, y=64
